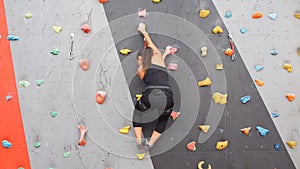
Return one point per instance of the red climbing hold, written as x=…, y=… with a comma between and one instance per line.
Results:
x=83, y=131
x=86, y=28
x=257, y=15
x=84, y=64
x=100, y=97
x=103, y=1
x=191, y=146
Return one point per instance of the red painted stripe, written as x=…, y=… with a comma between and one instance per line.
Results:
x=11, y=125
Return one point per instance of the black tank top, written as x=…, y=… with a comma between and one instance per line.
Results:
x=156, y=76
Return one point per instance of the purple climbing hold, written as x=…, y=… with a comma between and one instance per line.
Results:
x=6, y=144
x=8, y=97
x=258, y=67
x=262, y=131
x=274, y=115
x=245, y=99
x=12, y=38
x=277, y=146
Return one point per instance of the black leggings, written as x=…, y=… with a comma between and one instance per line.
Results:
x=156, y=104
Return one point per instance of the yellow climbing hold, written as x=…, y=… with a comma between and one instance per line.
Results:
x=220, y=98
x=221, y=145
x=124, y=130
x=125, y=51
x=57, y=29
x=156, y=1
x=217, y=29
x=205, y=82
x=297, y=15
x=204, y=13
x=291, y=144
x=201, y=163
x=298, y=51
x=138, y=96
x=140, y=156
x=288, y=67
x=204, y=128
x=219, y=66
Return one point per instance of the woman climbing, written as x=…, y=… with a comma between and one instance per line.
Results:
x=156, y=102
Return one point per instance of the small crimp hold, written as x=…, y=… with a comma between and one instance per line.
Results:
x=246, y=130
x=288, y=67
x=37, y=144
x=125, y=130
x=83, y=130
x=257, y=15
x=39, y=82
x=220, y=98
x=138, y=96
x=297, y=15
x=228, y=52
x=191, y=146
x=219, y=66
x=200, y=165
x=204, y=13
x=67, y=154
x=262, y=131
x=274, y=52
x=204, y=51
x=259, y=82
x=205, y=82
x=6, y=144
x=228, y=14
x=84, y=64
x=28, y=15
x=204, y=128
x=86, y=28
x=143, y=13
x=290, y=96
x=125, y=51
x=57, y=29
x=291, y=144
x=245, y=99
x=258, y=67
x=277, y=146
x=298, y=50
x=103, y=1
x=53, y=114
x=156, y=1
x=140, y=156
x=100, y=97
x=12, y=38
x=24, y=83
x=172, y=66
x=54, y=51
x=8, y=97
x=217, y=29
x=243, y=30
x=272, y=16
x=274, y=115
x=174, y=114
x=221, y=145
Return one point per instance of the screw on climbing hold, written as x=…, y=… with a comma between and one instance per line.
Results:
x=259, y=82
x=37, y=144
x=297, y=15
x=67, y=154
x=257, y=15
x=204, y=51
x=204, y=128
x=205, y=82
x=228, y=52
x=258, y=67
x=204, y=13
x=100, y=97
x=28, y=15
x=298, y=50
x=272, y=16
x=171, y=49
x=220, y=98
x=243, y=30
x=12, y=38
x=290, y=96
x=217, y=29
x=245, y=99
x=288, y=67
x=125, y=130
x=103, y=1
x=140, y=156
x=246, y=130
x=71, y=56
x=191, y=146
x=8, y=97
x=277, y=146
x=20, y=167
x=6, y=144
x=201, y=164
x=142, y=13
x=125, y=51
x=53, y=114
x=138, y=96
x=54, y=51
x=228, y=14
x=84, y=64
x=274, y=52
x=24, y=83
x=291, y=144
x=172, y=66
x=156, y=1
x=274, y=115
x=39, y=82
x=86, y=28
x=174, y=115
x=221, y=145
x=83, y=130
x=57, y=29
x=262, y=131
x=219, y=66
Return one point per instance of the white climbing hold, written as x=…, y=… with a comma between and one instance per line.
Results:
x=272, y=16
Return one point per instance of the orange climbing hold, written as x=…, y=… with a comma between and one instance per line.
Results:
x=84, y=64
x=259, y=82
x=100, y=97
x=83, y=131
x=86, y=28
x=246, y=130
x=257, y=15
x=103, y=1
x=228, y=52
x=290, y=96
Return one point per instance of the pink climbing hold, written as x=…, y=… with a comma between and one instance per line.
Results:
x=100, y=97
x=174, y=115
x=143, y=13
x=86, y=28
x=84, y=64
x=172, y=66
x=83, y=131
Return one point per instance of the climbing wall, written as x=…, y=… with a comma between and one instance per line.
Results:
x=56, y=95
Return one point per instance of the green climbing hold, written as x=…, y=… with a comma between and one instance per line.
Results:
x=67, y=154
x=53, y=114
x=20, y=167
x=24, y=83
x=50, y=168
x=40, y=82
x=28, y=15
x=54, y=51
x=37, y=144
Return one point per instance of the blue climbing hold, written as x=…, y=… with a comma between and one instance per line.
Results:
x=245, y=99
x=8, y=97
x=243, y=30
x=258, y=67
x=272, y=16
x=274, y=115
x=274, y=52
x=12, y=37
x=277, y=146
x=228, y=14
x=6, y=144
x=262, y=131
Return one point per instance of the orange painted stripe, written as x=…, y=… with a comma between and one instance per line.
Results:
x=11, y=125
